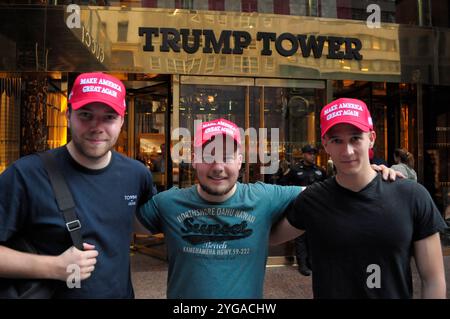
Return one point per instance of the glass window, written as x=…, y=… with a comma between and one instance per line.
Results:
x=209, y=99
x=10, y=89
x=122, y=31
x=150, y=104
x=425, y=13
x=436, y=137
x=293, y=107
x=287, y=106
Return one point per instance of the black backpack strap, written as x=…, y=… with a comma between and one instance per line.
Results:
x=64, y=198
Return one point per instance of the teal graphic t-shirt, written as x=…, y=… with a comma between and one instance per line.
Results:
x=217, y=250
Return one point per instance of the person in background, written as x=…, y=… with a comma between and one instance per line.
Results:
x=331, y=170
x=374, y=159
x=158, y=161
x=404, y=163
x=285, y=175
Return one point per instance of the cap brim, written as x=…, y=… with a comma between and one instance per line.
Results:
x=360, y=126
x=77, y=105
x=199, y=142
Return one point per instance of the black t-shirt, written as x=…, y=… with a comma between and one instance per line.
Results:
x=350, y=232
x=106, y=201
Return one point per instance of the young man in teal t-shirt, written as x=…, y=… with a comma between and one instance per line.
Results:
x=217, y=231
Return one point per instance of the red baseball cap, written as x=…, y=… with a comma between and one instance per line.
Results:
x=207, y=130
x=345, y=110
x=98, y=87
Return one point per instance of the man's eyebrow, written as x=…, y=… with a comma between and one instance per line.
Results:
x=351, y=133
x=89, y=109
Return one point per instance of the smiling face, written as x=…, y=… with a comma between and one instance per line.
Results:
x=348, y=147
x=95, y=128
x=217, y=177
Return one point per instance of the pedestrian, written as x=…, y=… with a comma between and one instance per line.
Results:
x=285, y=175
x=107, y=188
x=404, y=163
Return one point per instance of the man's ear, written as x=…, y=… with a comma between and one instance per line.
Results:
x=68, y=117
x=240, y=159
x=372, y=138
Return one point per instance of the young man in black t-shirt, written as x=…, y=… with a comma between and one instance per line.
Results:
x=363, y=230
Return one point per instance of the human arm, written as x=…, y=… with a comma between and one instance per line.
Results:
x=282, y=232
x=428, y=222
x=17, y=264
x=16, y=209
x=282, y=199
x=430, y=265
x=148, y=215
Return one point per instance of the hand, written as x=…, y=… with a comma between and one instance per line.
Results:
x=86, y=260
x=387, y=173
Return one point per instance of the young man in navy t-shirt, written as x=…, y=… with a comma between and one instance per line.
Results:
x=107, y=188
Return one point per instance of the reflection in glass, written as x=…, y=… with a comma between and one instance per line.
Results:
x=202, y=102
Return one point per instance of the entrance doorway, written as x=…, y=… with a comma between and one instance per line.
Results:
x=288, y=109
x=146, y=130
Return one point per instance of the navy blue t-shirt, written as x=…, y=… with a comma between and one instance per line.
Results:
x=106, y=201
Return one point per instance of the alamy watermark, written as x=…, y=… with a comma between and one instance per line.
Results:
x=73, y=20
x=74, y=279
x=374, y=279
x=374, y=19
x=257, y=148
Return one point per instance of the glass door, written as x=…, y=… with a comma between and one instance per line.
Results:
x=287, y=108
x=148, y=102
x=293, y=107
x=208, y=98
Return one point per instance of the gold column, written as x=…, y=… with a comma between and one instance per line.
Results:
x=262, y=124
x=420, y=146
x=130, y=135
x=246, y=178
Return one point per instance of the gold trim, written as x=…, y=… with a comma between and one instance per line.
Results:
x=380, y=47
x=278, y=261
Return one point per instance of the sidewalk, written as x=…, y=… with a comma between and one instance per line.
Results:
x=149, y=277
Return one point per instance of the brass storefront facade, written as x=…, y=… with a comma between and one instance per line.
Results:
x=261, y=70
